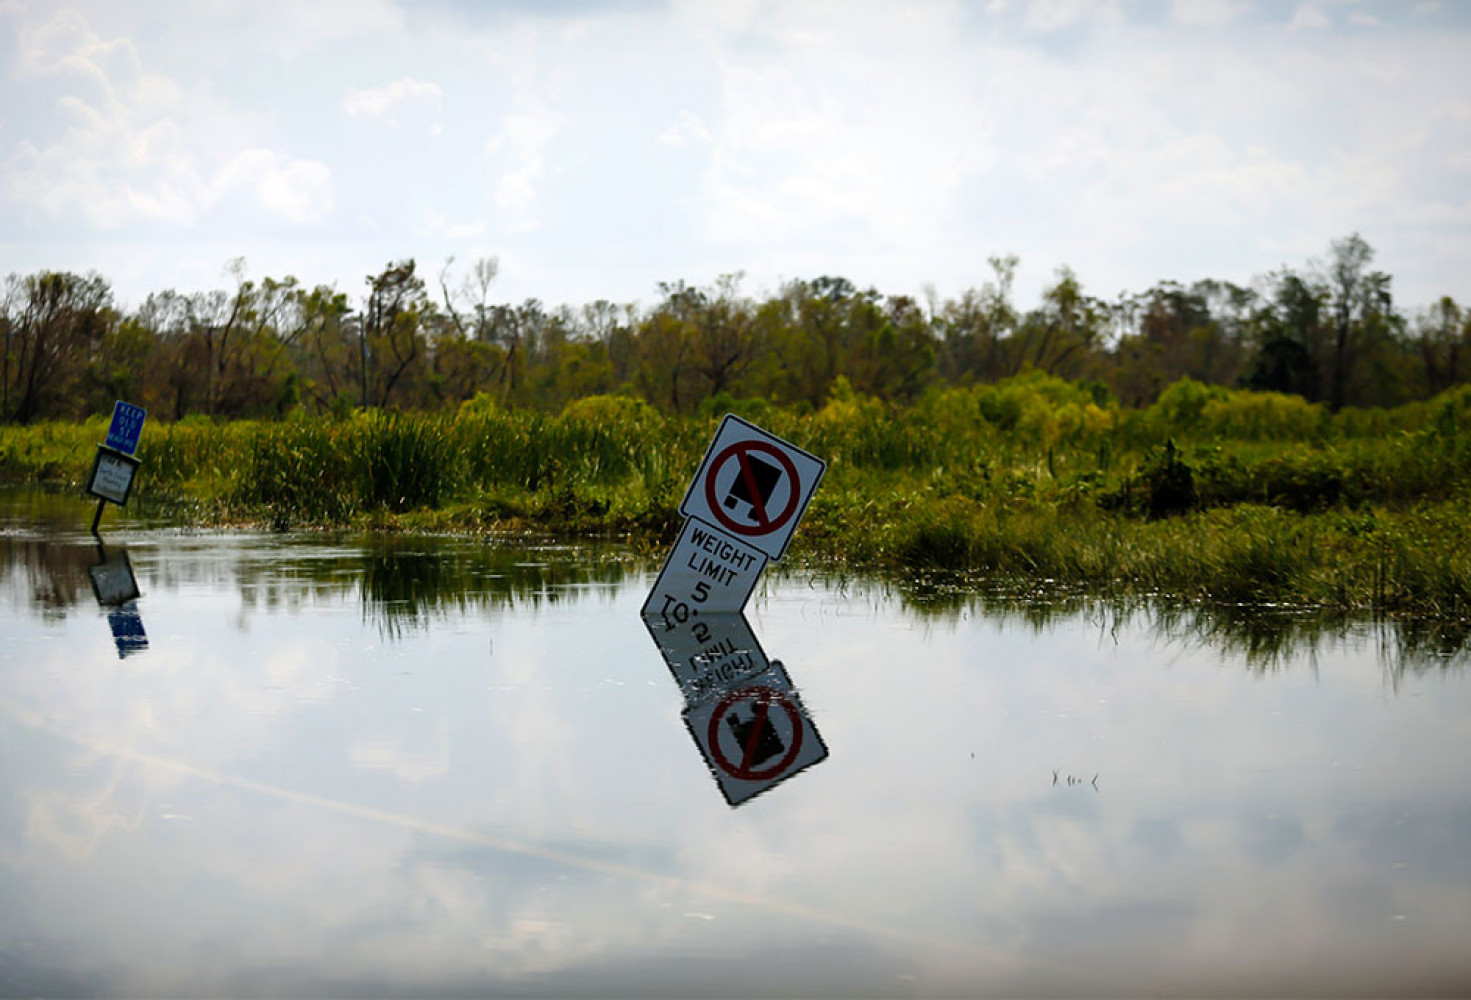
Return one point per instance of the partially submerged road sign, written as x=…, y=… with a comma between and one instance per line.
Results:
x=706, y=571
x=753, y=485
x=112, y=476
x=126, y=427
x=745, y=502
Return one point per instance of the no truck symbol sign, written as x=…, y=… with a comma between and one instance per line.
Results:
x=753, y=485
x=760, y=480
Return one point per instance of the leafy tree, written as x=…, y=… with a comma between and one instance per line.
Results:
x=665, y=368
x=51, y=322
x=522, y=332
x=725, y=336
x=896, y=356
x=391, y=340
x=468, y=358
x=974, y=329
x=117, y=366
x=612, y=326
x=1443, y=338
x=323, y=344
x=1293, y=338
x=1359, y=301
x=1058, y=337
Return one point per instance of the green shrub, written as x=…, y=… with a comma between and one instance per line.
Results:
x=1259, y=416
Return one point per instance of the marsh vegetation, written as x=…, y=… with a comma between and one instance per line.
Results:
x=1224, y=494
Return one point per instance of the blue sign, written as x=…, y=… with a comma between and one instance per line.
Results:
x=127, y=425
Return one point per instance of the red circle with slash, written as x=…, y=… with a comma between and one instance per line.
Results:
x=764, y=697
x=764, y=525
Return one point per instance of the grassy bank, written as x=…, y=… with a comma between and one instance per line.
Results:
x=1210, y=493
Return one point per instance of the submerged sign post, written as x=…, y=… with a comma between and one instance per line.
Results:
x=741, y=510
x=111, y=478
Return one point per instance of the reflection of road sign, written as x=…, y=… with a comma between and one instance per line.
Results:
x=127, y=425
x=753, y=485
x=756, y=735
x=709, y=653
x=127, y=630
x=761, y=746
x=112, y=476
x=705, y=572
x=113, y=580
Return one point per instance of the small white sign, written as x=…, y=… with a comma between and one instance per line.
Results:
x=112, y=476
x=708, y=653
x=753, y=486
x=706, y=571
x=756, y=735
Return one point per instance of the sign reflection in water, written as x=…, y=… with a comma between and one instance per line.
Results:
x=115, y=586
x=741, y=708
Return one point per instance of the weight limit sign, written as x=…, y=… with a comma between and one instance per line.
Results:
x=753, y=485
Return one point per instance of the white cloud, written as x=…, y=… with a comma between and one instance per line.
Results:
x=397, y=102
x=1055, y=15
x=522, y=143
x=1364, y=20
x=1206, y=13
x=796, y=154
x=687, y=129
x=439, y=226
x=135, y=147
x=1308, y=16
x=296, y=191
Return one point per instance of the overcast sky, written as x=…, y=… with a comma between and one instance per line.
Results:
x=598, y=148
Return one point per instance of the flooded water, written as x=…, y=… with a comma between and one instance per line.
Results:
x=354, y=766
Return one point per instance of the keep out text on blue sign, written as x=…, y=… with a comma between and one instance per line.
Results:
x=127, y=425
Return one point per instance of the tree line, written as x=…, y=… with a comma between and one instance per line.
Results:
x=1329, y=331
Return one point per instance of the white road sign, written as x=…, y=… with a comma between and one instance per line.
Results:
x=707, y=571
x=112, y=476
x=756, y=735
x=753, y=486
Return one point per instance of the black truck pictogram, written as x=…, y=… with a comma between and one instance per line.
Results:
x=768, y=743
x=765, y=476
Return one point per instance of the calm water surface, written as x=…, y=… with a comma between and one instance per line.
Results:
x=304, y=765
